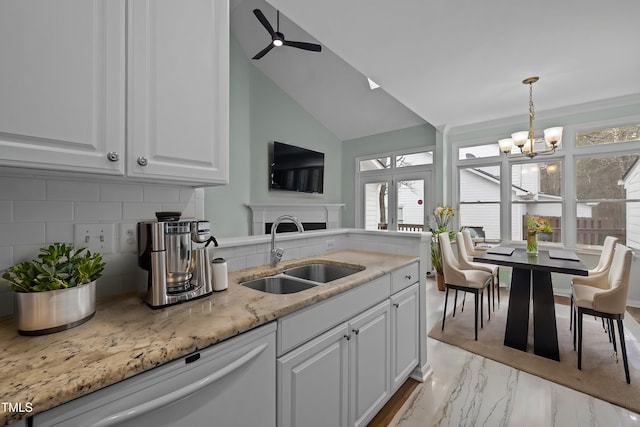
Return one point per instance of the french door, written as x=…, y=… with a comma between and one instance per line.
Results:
x=395, y=201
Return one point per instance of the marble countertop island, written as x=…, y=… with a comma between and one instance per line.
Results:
x=126, y=337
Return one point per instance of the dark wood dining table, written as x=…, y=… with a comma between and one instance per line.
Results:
x=531, y=281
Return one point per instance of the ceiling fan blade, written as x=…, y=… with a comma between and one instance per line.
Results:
x=302, y=45
x=264, y=21
x=263, y=52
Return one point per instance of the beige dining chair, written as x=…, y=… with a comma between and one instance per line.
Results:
x=602, y=269
x=459, y=279
x=465, y=242
x=607, y=300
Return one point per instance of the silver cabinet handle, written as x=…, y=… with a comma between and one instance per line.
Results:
x=408, y=277
x=142, y=161
x=356, y=331
x=347, y=337
x=396, y=305
x=113, y=156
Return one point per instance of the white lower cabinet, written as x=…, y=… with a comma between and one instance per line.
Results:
x=313, y=382
x=369, y=363
x=404, y=334
x=340, y=378
x=229, y=384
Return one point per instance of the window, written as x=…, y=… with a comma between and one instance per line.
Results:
x=480, y=199
x=536, y=189
x=608, y=188
x=586, y=191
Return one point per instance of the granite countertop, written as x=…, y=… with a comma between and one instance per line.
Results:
x=126, y=337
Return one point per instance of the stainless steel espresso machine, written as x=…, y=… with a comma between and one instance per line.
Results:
x=176, y=254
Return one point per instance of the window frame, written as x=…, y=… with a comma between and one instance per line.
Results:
x=393, y=174
x=567, y=154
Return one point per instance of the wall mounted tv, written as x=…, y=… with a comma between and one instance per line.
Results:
x=296, y=169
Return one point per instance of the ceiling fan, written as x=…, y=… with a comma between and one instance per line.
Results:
x=277, y=38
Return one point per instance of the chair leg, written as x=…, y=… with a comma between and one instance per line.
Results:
x=612, y=337
x=489, y=303
x=464, y=298
x=579, y=327
x=444, y=311
x=476, y=313
x=498, y=285
x=571, y=318
x=455, y=302
x=623, y=347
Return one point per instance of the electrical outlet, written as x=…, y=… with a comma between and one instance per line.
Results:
x=329, y=244
x=128, y=237
x=95, y=237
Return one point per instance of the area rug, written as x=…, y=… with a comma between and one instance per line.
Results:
x=600, y=376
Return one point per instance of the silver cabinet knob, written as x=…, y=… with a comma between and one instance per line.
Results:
x=113, y=156
x=142, y=161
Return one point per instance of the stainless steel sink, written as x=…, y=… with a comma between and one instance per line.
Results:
x=279, y=284
x=321, y=273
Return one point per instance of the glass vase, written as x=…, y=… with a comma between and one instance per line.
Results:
x=532, y=243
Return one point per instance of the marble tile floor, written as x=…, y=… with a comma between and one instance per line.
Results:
x=469, y=390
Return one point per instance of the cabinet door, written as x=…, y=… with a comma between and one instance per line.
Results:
x=62, y=90
x=404, y=334
x=369, y=363
x=313, y=382
x=179, y=90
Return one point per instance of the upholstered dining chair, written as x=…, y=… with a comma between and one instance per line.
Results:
x=602, y=269
x=466, y=251
x=458, y=279
x=607, y=300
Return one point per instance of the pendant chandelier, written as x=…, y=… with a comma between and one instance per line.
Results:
x=525, y=140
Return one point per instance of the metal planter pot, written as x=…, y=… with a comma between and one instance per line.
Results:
x=41, y=313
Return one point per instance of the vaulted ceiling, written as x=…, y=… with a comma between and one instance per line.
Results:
x=450, y=63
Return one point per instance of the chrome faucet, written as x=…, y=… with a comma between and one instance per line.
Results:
x=276, y=253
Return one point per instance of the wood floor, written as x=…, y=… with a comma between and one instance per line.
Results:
x=386, y=414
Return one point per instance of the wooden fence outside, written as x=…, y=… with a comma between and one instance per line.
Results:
x=589, y=231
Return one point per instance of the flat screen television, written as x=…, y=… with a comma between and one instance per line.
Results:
x=296, y=169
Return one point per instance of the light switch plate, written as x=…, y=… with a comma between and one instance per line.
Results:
x=95, y=237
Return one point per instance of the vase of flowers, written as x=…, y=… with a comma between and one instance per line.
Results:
x=442, y=215
x=535, y=225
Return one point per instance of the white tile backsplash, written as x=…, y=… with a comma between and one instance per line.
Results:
x=121, y=193
x=6, y=211
x=40, y=211
x=59, y=232
x=37, y=212
x=161, y=194
x=73, y=191
x=98, y=211
x=12, y=234
x=22, y=189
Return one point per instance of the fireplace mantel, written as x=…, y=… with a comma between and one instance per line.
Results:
x=264, y=213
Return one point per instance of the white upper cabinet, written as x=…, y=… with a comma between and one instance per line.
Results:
x=137, y=88
x=178, y=90
x=62, y=84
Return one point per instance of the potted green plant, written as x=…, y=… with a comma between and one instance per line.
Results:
x=442, y=215
x=56, y=292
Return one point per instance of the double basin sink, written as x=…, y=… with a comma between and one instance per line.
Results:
x=296, y=279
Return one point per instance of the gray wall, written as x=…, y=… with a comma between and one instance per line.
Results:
x=260, y=112
x=403, y=139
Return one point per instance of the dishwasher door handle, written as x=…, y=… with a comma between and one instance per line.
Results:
x=167, y=399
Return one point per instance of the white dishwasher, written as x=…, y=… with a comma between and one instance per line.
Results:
x=232, y=383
